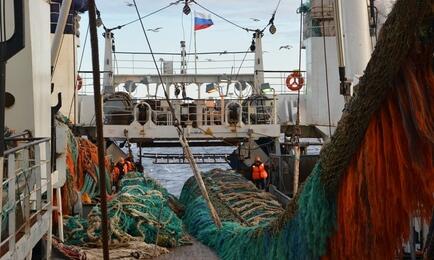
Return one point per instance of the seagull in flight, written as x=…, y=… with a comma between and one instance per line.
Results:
x=255, y=19
x=209, y=60
x=155, y=29
x=129, y=4
x=288, y=47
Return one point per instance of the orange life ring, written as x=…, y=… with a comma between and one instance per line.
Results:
x=79, y=82
x=295, y=81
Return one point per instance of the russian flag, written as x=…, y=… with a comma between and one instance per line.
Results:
x=202, y=21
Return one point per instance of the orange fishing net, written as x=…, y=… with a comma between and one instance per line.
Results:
x=87, y=161
x=391, y=178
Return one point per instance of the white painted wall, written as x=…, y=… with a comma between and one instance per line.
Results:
x=28, y=73
x=64, y=76
x=314, y=103
x=86, y=114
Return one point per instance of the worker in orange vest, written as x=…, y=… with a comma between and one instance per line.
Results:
x=129, y=164
x=259, y=174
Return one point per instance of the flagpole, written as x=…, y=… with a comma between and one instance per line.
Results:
x=195, y=60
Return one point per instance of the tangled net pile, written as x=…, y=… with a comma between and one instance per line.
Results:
x=82, y=172
x=139, y=211
x=235, y=198
x=373, y=176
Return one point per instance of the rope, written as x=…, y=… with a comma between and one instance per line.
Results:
x=326, y=69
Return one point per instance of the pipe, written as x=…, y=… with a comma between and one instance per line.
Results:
x=60, y=28
x=340, y=40
x=99, y=125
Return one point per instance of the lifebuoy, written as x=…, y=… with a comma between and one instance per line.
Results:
x=79, y=82
x=295, y=81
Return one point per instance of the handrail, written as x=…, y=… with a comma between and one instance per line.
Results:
x=27, y=145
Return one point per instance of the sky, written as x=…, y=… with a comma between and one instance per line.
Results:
x=222, y=36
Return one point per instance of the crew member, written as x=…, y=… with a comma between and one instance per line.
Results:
x=259, y=174
x=129, y=164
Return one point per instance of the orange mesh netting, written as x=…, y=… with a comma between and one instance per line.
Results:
x=87, y=163
x=391, y=178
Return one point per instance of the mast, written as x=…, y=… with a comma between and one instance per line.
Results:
x=108, y=62
x=259, y=64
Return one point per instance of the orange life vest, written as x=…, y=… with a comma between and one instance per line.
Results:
x=130, y=166
x=115, y=174
x=259, y=172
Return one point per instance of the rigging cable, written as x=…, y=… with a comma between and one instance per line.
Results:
x=271, y=21
x=241, y=64
x=84, y=48
x=326, y=69
x=79, y=67
x=297, y=122
x=145, y=16
x=223, y=18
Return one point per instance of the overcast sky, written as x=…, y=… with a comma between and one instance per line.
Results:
x=220, y=37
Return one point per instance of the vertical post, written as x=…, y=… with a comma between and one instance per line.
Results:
x=195, y=65
x=2, y=128
x=195, y=53
x=38, y=163
x=259, y=64
x=140, y=153
x=11, y=201
x=108, y=63
x=296, y=169
x=49, y=201
x=60, y=214
x=28, y=187
x=99, y=125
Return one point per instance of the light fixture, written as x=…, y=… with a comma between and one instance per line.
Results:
x=186, y=10
x=273, y=29
x=98, y=22
x=266, y=88
x=253, y=46
x=98, y=19
x=211, y=88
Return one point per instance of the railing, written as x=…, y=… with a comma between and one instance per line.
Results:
x=87, y=82
x=142, y=63
x=198, y=112
x=176, y=158
x=277, y=81
x=26, y=197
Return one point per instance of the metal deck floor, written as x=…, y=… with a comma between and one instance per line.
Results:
x=196, y=251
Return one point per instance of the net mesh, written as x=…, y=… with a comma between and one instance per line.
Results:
x=140, y=209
